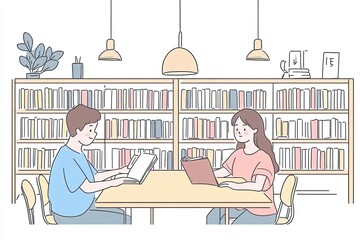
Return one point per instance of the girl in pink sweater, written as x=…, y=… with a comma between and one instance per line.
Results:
x=254, y=160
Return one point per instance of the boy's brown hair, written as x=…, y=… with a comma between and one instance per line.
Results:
x=79, y=116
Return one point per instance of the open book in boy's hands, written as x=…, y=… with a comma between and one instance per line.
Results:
x=140, y=166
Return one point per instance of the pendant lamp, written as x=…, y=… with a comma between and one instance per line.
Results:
x=179, y=61
x=257, y=54
x=110, y=54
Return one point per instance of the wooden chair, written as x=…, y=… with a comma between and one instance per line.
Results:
x=287, y=198
x=30, y=199
x=43, y=186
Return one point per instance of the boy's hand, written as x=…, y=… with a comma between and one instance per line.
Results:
x=119, y=181
x=124, y=170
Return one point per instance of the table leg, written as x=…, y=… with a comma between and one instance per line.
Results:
x=151, y=216
x=226, y=216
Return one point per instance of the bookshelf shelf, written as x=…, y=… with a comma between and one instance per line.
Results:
x=95, y=81
x=110, y=111
x=160, y=141
x=263, y=81
x=299, y=141
x=32, y=172
x=313, y=172
x=49, y=141
x=267, y=111
x=216, y=141
x=264, y=93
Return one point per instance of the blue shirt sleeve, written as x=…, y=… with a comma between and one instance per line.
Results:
x=93, y=170
x=73, y=175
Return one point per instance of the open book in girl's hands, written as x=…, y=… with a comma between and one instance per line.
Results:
x=199, y=171
x=140, y=166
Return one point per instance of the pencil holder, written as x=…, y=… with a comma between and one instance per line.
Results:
x=77, y=69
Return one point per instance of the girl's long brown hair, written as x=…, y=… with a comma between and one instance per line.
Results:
x=253, y=119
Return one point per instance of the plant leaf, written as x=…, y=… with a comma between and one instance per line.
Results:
x=22, y=47
x=57, y=55
x=40, y=50
x=39, y=62
x=48, y=53
x=25, y=62
x=30, y=57
x=28, y=41
x=50, y=65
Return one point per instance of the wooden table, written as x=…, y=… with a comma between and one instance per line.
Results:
x=172, y=189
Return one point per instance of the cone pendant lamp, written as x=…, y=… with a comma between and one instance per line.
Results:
x=179, y=61
x=258, y=54
x=110, y=54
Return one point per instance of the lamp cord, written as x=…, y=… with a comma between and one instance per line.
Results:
x=110, y=18
x=258, y=19
x=180, y=33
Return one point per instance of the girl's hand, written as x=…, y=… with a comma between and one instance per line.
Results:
x=229, y=184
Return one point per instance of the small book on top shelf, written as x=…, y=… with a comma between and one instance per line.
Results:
x=140, y=166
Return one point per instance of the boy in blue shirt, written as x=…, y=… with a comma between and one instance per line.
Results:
x=74, y=181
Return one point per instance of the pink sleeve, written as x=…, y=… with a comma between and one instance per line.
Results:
x=228, y=164
x=265, y=168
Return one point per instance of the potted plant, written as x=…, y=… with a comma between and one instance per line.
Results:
x=37, y=60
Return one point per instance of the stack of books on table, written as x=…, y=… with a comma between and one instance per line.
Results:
x=299, y=73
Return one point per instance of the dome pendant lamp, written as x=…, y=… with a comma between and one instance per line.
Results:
x=257, y=54
x=110, y=54
x=179, y=61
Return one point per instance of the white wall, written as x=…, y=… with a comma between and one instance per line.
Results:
x=220, y=34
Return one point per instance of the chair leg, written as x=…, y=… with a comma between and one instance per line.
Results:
x=124, y=216
x=292, y=213
x=130, y=215
x=31, y=216
x=278, y=213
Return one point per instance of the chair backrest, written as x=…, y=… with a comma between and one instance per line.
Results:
x=287, y=198
x=30, y=199
x=288, y=190
x=43, y=186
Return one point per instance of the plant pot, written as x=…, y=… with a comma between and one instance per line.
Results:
x=33, y=75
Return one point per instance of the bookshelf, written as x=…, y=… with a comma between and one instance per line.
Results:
x=272, y=98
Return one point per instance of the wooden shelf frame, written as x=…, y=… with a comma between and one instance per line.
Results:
x=176, y=112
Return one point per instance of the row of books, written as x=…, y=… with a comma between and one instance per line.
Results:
x=313, y=129
x=43, y=128
x=109, y=98
x=35, y=158
x=297, y=158
x=216, y=156
x=138, y=129
x=310, y=98
x=222, y=99
x=294, y=158
x=203, y=128
x=41, y=158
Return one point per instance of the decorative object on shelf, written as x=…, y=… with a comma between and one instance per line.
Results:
x=330, y=65
x=110, y=54
x=296, y=65
x=179, y=61
x=37, y=60
x=257, y=54
x=77, y=68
